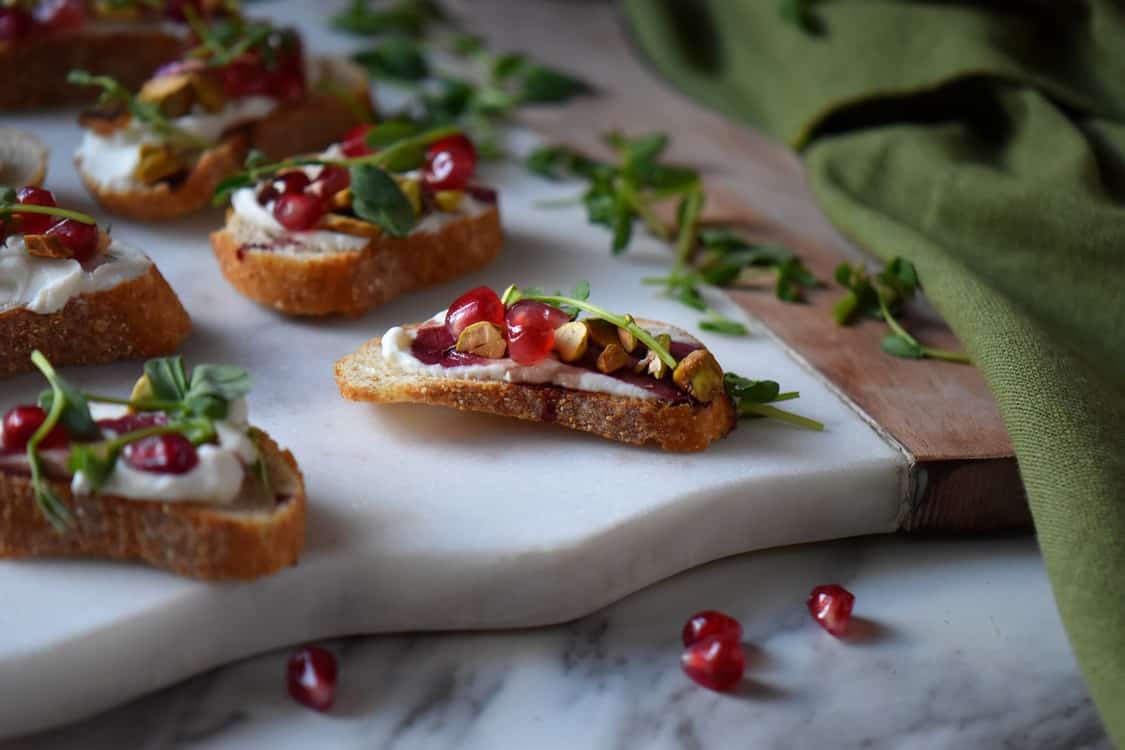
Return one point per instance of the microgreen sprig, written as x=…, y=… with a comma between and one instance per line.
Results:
x=752, y=398
x=10, y=205
x=147, y=113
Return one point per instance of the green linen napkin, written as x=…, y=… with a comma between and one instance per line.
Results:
x=986, y=142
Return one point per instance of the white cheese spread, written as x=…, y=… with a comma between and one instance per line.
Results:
x=217, y=478
x=396, y=350
x=111, y=160
x=45, y=285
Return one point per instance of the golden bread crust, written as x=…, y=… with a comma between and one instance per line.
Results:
x=191, y=539
x=351, y=283
x=139, y=318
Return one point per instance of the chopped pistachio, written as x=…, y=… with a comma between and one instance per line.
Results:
x=602, y=332
x=342, y=200
x=173, y=94
x=652, y=363
x=448, y=200
x=142, y=391
x=208, y=92
x=571, y=341
x=699, y=375
x=412, y=189
x=483, y=339
x=612, y=359
x=46, y=246
x=156, y=162
x=626, y=337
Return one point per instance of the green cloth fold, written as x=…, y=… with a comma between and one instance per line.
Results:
x=986, y=143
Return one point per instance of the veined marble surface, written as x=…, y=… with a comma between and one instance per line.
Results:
x=959, y=647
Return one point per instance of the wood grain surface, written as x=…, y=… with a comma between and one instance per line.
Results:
x=942, y=414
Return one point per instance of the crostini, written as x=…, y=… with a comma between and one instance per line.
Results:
x=43, y=40
x=387, y=211
x=160, y=153
x=23, y=158
x=527, y=355
x=173, y=476
x=71, y=290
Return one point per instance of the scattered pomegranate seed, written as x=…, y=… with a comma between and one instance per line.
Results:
x=162, y=454
x=474, y=306
x=530, y=313
x=450, y=163
x=62, y=15
x=290, y=183
x=246, y=76
x=133, y=422
x=311, y=677
x=354, y=143
x=831, y=606
x=78, y=237
x=20, y=424
x=715, y=663
x=711, y=624
x=531, y=330
x=35, y=223
x=298, y=212
x=329, y=181
x=15, y=24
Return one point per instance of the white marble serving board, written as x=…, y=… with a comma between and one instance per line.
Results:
x=423, y=518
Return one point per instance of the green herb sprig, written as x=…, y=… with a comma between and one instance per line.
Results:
x=9, y=204
x=752, y=398
x=147, y=113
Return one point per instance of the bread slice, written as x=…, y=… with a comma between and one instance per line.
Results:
x=23, y=158
x=339, y=101
x=351, y=283
x=686, y=427
x=128, y=53
x=253, y=538
x=138, y=318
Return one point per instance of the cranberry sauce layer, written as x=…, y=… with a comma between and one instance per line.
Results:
x=435, y=345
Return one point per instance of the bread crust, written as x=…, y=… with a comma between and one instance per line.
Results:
x=365, y=376
x=351, y=283
x=40, y=65
x=313, y=123
x=138, y=318
x=191, y=539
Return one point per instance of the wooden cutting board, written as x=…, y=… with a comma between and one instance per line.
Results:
x=964, y=475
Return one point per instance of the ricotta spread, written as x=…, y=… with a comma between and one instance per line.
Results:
x=217, y=478
x=45, y=285
x=110, y=160
x=396, y=350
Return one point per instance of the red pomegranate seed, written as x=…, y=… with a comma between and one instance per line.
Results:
x=328, y=182
x=831, y=606
x=79, y=238
x=311, y=677
x=20, y=424
x=291, y=183
x=62, y=15
x=474, y=306
x=450, y=163
x=245, y=77
x=287, y=82
x=15, y=24
x=530, y=345
x=162, y=454
x=354, y=143
x=133, y=422
x=711, y=623
x=35, y=223
x=298, y=212
x=530, y=313
x=715, y=663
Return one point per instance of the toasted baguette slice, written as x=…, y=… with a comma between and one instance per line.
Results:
x=303, y=282
x=138, y=318
x=367, y=376
x=249, y=539
x=127, y=53
x=23, y=158
x=338, y=101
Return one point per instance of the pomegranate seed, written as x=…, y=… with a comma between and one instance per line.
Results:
x=715, y=663
x=474, y=306
x=831, y=606
x=291, y=183
x=328, y=182
x=15, y=24
x=311, y=677
x=288, y=81
x=162, y=454
x=354, y=143
x=245, y=77
x=62, y=15
x=20, y=424
x=298, y=212
x=530, y=345
x=133, y=422
x=530, y=313
x=450, y=163
x=711, y=624
x=79, y=238
x=35, y=223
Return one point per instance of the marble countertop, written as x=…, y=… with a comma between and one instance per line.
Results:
x=959, y=647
